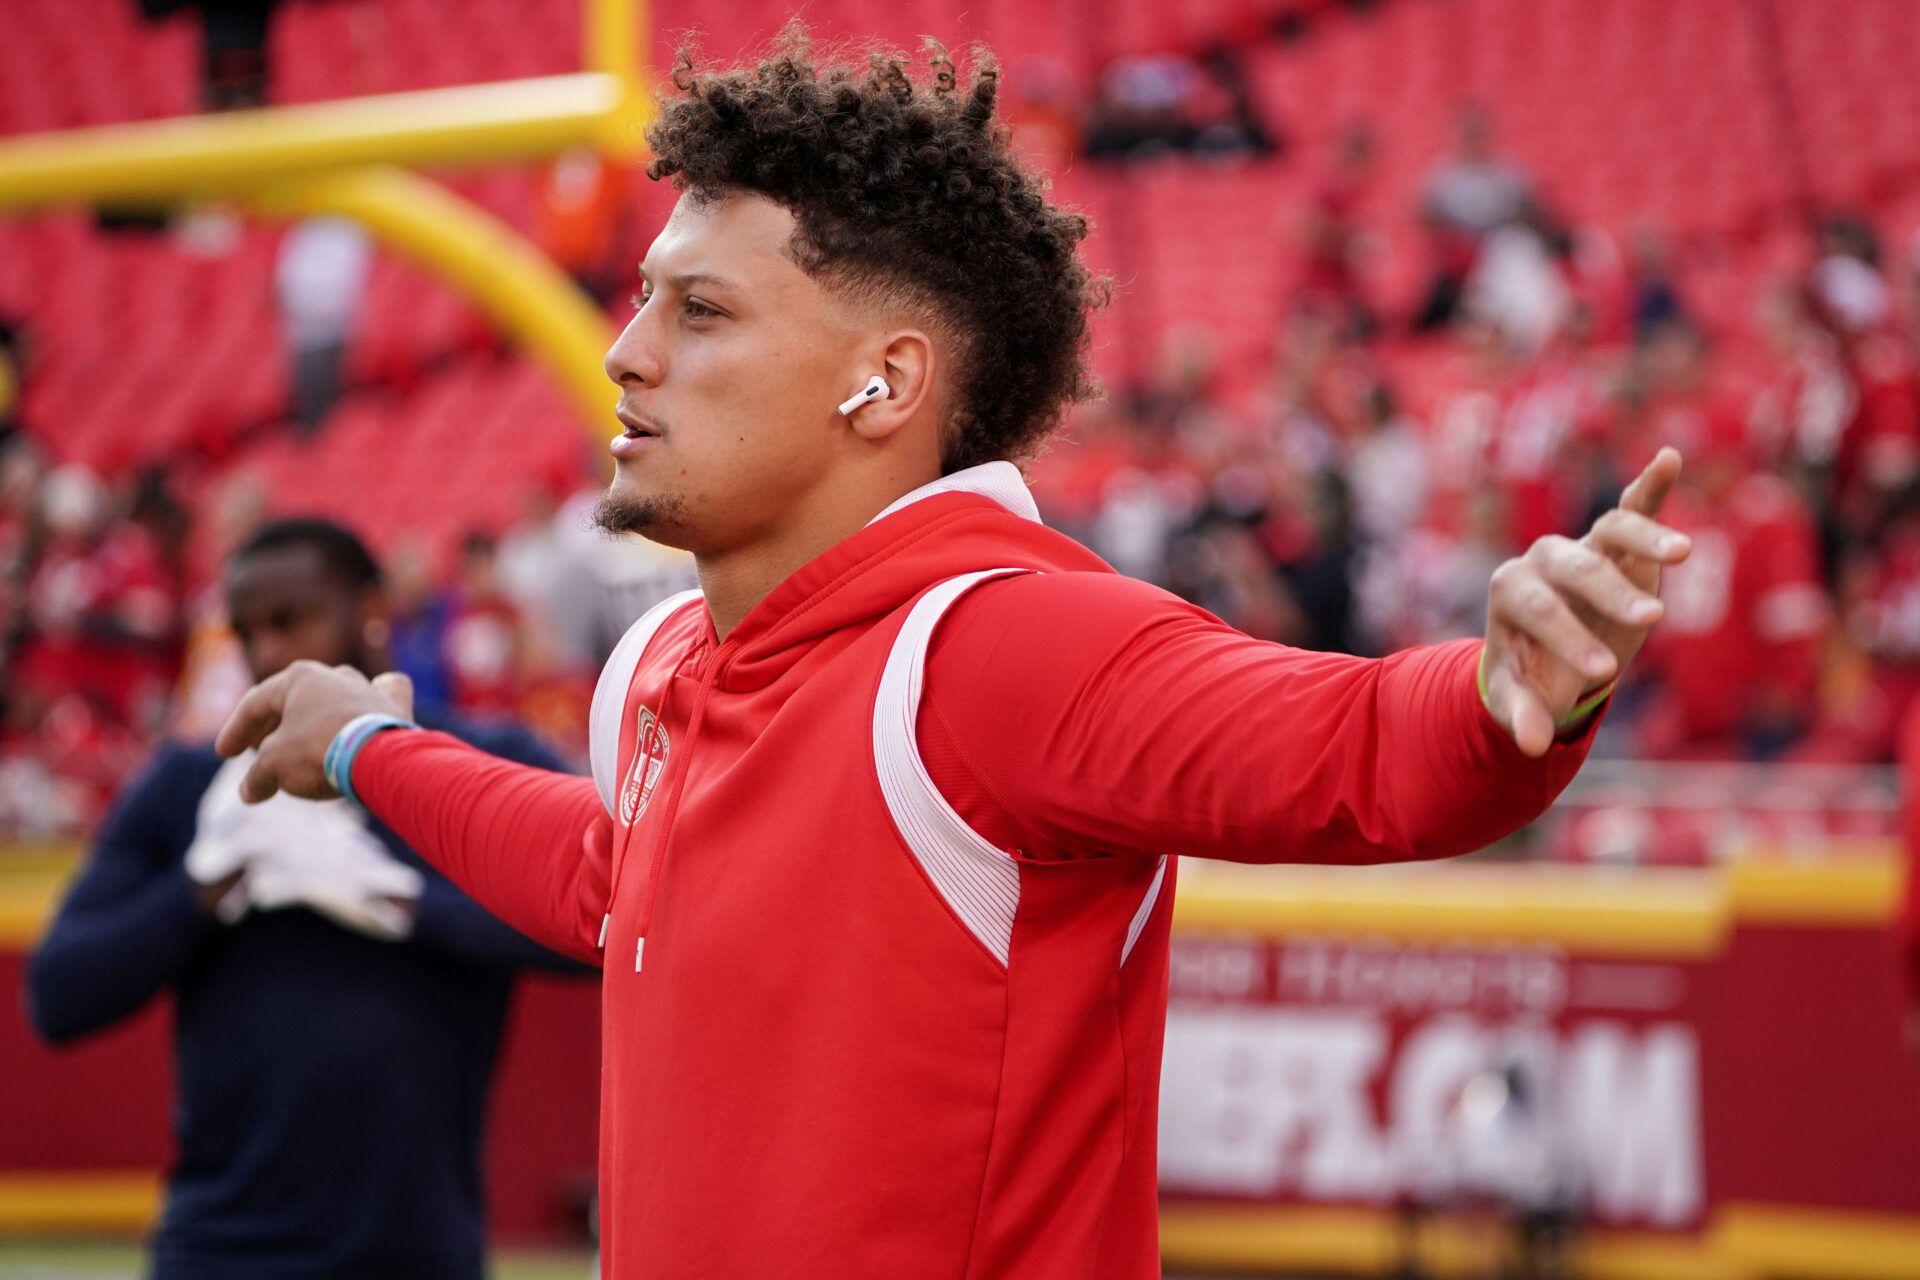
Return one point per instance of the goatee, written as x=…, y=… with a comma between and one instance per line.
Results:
x=620, y=513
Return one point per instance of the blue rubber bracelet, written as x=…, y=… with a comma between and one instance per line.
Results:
x=345, y=748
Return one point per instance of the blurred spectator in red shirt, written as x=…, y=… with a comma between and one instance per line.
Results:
x=482, y=643
x=1327, y=272
x=101, y=606
x=1466, y=407
x=1880, y=601
x=1877, y=451
x=1668, y=393
x=1879, y=448
x=1737, y=653
x=581, y=198
x=1801, y=412
x=1555, y=404
x=96, y=620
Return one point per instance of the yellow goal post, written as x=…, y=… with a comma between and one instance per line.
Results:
x=354, y=158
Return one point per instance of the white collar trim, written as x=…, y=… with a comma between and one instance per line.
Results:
x=1000, y=481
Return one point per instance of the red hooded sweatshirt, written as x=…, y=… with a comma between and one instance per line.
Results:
x=884, y=975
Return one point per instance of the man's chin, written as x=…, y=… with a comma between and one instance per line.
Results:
x=619, y=512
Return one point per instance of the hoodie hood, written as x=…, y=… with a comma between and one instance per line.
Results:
x=980, y=518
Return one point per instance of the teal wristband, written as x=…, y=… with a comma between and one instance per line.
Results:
x=345, y=748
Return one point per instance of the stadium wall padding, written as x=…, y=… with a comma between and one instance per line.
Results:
x=1738, y=1026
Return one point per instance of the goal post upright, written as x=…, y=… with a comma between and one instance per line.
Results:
x=353, y=157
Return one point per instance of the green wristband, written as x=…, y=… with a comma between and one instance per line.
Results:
x=1584, y=708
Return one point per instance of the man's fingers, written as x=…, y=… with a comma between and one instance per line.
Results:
x=257, y=716
x=397, y=688
x=262, y=780
x=1578, y=571
x=1651, y=487
x=1525, y=716
x=1523, y=600
x=1628, y=533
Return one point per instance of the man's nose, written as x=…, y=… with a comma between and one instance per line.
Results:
x=634, y=356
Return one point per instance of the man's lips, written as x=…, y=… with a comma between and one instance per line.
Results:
x=635, y=424
x=637, y=433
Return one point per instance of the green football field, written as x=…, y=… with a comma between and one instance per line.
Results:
x=70, y=1260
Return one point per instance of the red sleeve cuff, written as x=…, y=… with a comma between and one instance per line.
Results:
x=1496, y=747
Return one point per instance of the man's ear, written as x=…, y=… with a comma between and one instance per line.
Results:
x=909, y=362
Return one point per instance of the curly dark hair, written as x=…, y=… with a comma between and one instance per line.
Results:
x=905, y=193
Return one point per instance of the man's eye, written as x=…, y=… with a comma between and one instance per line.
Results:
x=699, y=310
x=639, y=300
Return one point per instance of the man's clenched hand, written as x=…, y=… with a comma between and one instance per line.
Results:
x=292, y=717
x=1564, y=618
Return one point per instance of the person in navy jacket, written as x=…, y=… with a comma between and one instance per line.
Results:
x=339, y=1004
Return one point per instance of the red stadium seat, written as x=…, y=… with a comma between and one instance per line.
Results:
x=1600, y=102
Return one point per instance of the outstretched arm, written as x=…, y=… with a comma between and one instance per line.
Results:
x=1085, y=713
x=530, y=846
x=450, y=921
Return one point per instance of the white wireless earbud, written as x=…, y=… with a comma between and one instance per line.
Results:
x=875, y=388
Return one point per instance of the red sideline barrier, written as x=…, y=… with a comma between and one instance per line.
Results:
x=1713, y=1060
x=83, y=1130
x=1719, y=1047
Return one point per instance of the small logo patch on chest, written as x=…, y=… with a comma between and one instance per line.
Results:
x=649, y=762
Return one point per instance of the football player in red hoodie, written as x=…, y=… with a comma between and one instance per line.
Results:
x=878, y=854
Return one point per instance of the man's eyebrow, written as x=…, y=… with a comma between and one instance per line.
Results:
x=694, y=279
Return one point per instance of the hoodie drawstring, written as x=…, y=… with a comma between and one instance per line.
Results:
x=659, y=854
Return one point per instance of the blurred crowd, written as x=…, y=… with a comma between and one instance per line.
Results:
x=1354, y=493
x=1358, y=495
x=115, y=630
